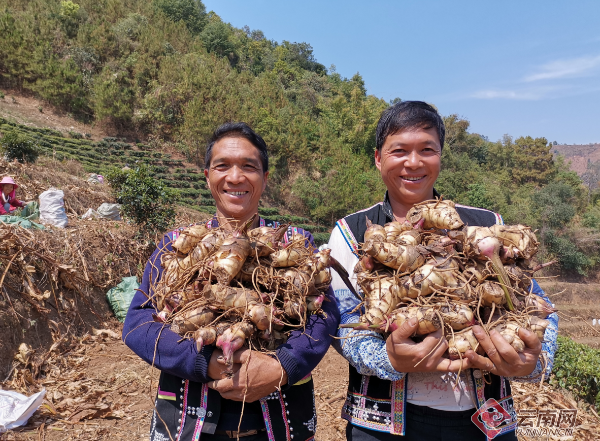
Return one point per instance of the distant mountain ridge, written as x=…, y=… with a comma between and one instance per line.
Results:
x=580, y=155
x=584, y=160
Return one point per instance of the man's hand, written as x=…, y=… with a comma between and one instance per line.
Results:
x=404, y=353
x=257, y=376
x=216, y=369
x=503, y=359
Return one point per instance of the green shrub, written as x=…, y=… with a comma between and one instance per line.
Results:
x=591, y=218
x=145, y=200
x=75, y=135
x=20, y=147
x=208, y=209
x=321, y=238
x=568, y=254
x=268, y=211
x=577, y=368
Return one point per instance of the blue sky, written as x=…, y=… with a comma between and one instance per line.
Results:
x=523, y=67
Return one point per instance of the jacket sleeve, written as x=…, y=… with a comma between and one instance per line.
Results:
x=2, y=210
x=365, y=350
x=305, y=348
x=155, y=342
x=17, y=203
x=549, y=345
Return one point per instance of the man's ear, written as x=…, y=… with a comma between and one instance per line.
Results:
x=265, y=181
x=378, y=159
x=206, y=176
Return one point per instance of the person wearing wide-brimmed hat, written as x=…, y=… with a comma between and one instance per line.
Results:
x=9, y=201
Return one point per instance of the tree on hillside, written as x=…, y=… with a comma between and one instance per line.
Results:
x=533, y=160
x=215, y=38
x=191, y=12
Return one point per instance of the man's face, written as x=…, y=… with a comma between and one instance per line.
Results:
x=409, y=162
x=236, y=178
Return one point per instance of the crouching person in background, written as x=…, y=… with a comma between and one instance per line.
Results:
x=267, y=398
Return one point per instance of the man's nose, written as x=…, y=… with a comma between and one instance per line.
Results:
x=235, y=175
x=413, y=160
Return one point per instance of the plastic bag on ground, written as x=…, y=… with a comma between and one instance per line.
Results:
x=91, y=214
x=17, y=220
x=93, y=179
x=110, y=211
x=120, y=296
x=16, y=409
x=31, y=211
x=52, y=208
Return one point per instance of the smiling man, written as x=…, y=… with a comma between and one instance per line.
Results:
x=399, y=389
x=268, y=397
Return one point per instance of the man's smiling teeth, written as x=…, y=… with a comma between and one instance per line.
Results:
x=412, y=178
x=236, y=193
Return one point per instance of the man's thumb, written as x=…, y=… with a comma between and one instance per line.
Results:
x=406, y=329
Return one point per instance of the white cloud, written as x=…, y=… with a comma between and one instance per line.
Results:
x=566, y=68
x=491, y=94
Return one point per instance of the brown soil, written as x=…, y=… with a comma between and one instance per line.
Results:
x=25, y=110
x=578, y=305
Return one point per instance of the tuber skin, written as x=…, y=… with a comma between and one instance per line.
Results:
x=428, y=320
x=435, y=214
x=401, y=257
x=204, y=336
x=265, y=240
x=189, y=238
x=537, y=306
x=461, y=342
x=232, y=254
x=482, y=244
x=375, y=232
x=192, y=319
x=293, y=254
x=518, y=240
x=233, y=339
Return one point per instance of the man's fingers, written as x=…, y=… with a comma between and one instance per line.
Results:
x=531, y=340
x=486, y=343
x=405, y=331
x=241, y=356
x=479, y=362
x=447, y=365
x=221, y=386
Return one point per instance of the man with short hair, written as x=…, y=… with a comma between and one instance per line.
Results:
x=398, y=387
x=268, y=397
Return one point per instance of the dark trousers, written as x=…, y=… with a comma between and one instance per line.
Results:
x=425, y=424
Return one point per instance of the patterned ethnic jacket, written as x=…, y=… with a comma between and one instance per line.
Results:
x=376, y=393
x=185, y=406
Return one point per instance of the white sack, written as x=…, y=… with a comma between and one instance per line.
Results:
x=110, y=211
x=52, y=208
